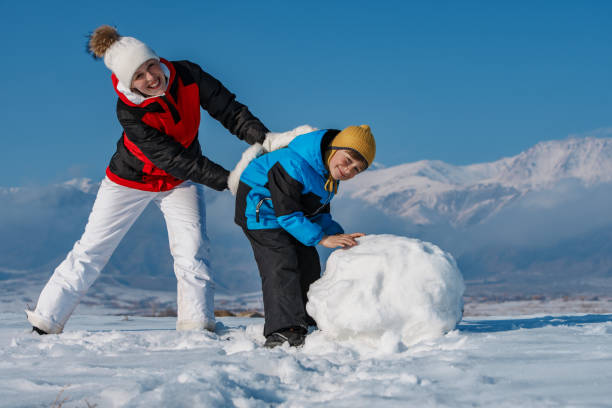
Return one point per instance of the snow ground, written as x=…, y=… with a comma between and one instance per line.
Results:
x=105, y=361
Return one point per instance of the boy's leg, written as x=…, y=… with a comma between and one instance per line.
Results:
x=310, y=271
x=276, y=255
x=185, y=214
x=113, y=213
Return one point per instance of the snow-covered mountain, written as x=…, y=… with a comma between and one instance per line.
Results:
x=514, y=225
x=433, y=192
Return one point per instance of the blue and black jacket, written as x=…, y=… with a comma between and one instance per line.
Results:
x=286, y=189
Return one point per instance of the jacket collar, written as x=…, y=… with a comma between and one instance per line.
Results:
x=309, y=147
x=137, y=100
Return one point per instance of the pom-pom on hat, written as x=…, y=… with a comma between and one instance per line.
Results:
x=122, y=55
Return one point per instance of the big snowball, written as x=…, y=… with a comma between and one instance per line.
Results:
x=388, y=286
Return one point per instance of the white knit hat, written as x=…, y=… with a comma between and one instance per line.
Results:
x=125, y=56
x=122, y=55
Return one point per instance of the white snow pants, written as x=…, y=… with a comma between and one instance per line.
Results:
x=114, y=211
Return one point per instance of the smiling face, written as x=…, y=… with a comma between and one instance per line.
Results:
x=344, y=165
x=149, y=79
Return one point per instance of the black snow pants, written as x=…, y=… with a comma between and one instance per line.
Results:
x=287, y=268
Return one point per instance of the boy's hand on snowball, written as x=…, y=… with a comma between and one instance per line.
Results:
x=341, y=240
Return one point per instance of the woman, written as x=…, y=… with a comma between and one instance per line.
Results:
x=158, y=159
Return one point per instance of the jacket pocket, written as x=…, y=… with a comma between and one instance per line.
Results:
x=258, y=207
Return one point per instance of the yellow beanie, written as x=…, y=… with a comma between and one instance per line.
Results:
x=356, y=138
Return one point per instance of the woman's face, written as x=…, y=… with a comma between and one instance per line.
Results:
x=343, y=167
x=149, y=79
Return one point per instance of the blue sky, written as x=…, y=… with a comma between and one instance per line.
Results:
x=461, y=81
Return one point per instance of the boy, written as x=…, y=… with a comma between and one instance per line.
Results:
x=282, y=205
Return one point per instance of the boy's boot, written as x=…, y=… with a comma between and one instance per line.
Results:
x=295, y=336
x=37, y=330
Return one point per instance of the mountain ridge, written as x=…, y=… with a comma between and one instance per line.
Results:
x=506, y=223
x=430, y=191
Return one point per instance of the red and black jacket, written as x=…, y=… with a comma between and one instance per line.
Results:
x=159, y=147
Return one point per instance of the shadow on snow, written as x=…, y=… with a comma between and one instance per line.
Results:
x=489, y=326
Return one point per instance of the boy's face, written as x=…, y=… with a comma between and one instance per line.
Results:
x=343, y=167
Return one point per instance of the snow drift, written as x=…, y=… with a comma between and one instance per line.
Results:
x=388, y=288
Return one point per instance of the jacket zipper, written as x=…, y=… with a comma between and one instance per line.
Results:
x=327, y=200
x=258, y=206
x=173, y=111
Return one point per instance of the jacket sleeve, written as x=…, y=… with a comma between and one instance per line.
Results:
x=169, y=155
x=330, y=227
x=221, y=104
x=285, y=192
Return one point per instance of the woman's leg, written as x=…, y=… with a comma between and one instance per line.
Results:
x=113, y=213
x=185, y=214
